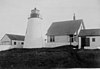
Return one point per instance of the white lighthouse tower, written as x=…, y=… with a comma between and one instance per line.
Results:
x=34, y=37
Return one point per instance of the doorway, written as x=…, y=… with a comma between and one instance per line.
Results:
x=85, y=42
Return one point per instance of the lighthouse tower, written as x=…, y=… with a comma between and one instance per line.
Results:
x=33, y=37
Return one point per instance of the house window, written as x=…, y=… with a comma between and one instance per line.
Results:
x=75, y=38
x=14, y=43
x=22, y=43
x=93, y=39
x=71, y=38
x=52, y=38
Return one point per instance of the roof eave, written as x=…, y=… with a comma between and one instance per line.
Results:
x=87, y=35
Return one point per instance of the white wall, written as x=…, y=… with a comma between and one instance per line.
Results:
x=5, y=40
x=18, y=44
x=4, y=47
x=59, y=41
x=79, y=42
x=95, y=44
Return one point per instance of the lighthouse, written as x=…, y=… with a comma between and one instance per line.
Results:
x=34, y=36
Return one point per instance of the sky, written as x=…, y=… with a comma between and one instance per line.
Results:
x=14, y=13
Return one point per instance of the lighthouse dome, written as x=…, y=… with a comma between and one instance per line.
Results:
x=34, y=13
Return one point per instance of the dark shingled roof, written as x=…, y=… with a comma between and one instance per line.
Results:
x=64, y=27
x=90, y=32
x=16, y=37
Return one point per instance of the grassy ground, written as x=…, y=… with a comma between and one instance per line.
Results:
x=47, y=58
x=91, y=58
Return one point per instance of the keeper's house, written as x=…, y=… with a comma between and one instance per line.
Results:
x=89, y=38
x=14, y=41
x=64, y=33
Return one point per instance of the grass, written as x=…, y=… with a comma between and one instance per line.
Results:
x=47, y=58
x=91, y=58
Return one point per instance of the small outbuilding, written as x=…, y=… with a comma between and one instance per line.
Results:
x=89, y=39
x=12, y=40
x=64, y=33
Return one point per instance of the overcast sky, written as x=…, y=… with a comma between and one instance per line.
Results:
x=14, y=13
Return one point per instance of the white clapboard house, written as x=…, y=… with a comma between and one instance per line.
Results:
x=12, y=40
x=64, y=33
x=89, y=38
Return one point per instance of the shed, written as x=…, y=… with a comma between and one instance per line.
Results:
x=64, y=32
x=89, y=38
x=14, y=41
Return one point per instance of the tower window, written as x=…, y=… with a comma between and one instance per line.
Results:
x=52, y=38
x=14, y=43
x=22, y=43
x=93, y=39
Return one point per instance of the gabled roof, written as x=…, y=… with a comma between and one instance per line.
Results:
x=16, y=37
x=64, y=27
x=90, y=32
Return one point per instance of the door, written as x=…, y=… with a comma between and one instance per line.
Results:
x=85, y=42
